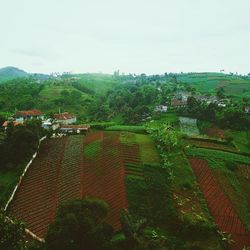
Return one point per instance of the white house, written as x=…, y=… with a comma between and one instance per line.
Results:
x=65, y=118
x=161, y=108
x=50, y=124
x=247, y=109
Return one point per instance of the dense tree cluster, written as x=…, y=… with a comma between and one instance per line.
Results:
x=230, y=117
x=20, y=143
x=12, y=233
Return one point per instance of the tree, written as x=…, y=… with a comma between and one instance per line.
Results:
x=221, y=93
x=23, y=143
x=12, y=233
x=80, y=225
x=138, y=235
x=192, y=103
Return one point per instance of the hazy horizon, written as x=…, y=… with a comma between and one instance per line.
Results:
x=149, y=37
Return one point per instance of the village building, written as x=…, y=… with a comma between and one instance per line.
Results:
x=21, y=116
x=161, y=108
x=176, y=103
x=247, y=109
x=74, y=128
x=183, y=96
x=15, y=123
x=65, y=118
x=50, y=124
x=222, y=104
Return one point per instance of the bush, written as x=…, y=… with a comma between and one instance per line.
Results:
x=231, y=165
x=197, y=227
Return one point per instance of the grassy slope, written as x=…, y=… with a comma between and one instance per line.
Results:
x=99, y=83
x=240, y=140
x=210, y=82
x=8, y=180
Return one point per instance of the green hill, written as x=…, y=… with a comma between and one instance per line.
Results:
x=9, y=73
x=234, y=85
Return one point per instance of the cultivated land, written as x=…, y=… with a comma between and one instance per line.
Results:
x=186, y=171
x=73, y=167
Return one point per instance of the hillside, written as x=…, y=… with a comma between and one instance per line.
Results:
x=9, y=73
x=234, y=85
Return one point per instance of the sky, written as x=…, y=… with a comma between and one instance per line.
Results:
x=134, y=36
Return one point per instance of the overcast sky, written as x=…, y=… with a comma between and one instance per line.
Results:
x=137, y=36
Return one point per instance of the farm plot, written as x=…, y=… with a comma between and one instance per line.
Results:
x=189, y=126
x=212, y=145
x=215, y=132
x=75, y=167
x=69, y=183
x=219, y=204
x=35, y=200
x=103, y=176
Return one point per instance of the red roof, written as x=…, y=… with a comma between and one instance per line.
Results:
x=33, y=112
x=64, y=116
x=177, y=103
x=5, y=124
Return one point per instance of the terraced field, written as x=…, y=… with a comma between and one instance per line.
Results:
x=74, y=167
x=220, y=205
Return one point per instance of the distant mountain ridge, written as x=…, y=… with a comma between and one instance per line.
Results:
x=9, y=73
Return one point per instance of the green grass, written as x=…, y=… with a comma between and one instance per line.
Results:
x=240, y=140
x=150, y=197
x=148, y=151
x=8, y=180
x=93, y=149
x=182, y=172
x=135, y=129
x=168, y=118
x=211, y=82
x=217, y=158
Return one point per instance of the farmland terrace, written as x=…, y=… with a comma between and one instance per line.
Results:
x=75, y=167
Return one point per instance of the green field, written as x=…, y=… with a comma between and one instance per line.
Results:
x=211, y=82
x=8, y=180
x=241, y=140
x=134, y=129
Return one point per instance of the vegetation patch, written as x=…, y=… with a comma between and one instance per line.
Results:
x=217, y=158
x=134, y=129
x=93, y=149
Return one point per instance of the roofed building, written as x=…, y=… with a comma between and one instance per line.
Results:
x=65, y=118
x=74, y=128
x=21, y=116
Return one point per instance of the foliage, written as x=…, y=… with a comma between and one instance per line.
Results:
x=91, y=150
x=166, y=136
x=134, y=129
x=21, y=141
x=139, y=235
x=12, y=233
x=151, y=198
x=217, y=157
x=79, y=225
x=197, y=228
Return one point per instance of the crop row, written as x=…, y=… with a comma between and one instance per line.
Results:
x=217, y=155
x=93, y=137
x=219, y=205
x=69, y=184
x=35, y=200
x=103, y=177
x=204, y=144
